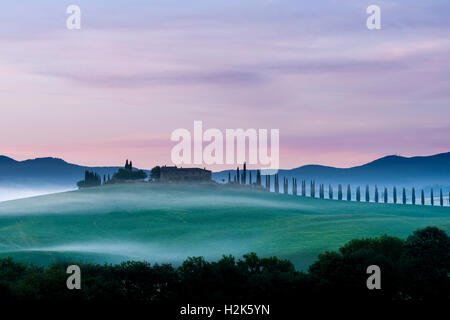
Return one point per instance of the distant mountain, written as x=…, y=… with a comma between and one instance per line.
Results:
x=44, y=172
x=387, y=171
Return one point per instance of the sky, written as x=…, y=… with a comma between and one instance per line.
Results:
x=116, y=89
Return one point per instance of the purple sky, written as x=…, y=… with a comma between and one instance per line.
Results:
x=137, y=70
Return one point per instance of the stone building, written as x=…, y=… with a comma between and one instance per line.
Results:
x=174, y=174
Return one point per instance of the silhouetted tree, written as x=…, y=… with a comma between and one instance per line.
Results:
x=303, y=188
x=244, y=174
x=376, y=194
x=349, y=193
x=404, y=196
x=367, y=194
x=358, y=194
x=339, y=192
x=432, y=197
x=413, y=196
x=394, y=194
x=91, y=179
x=422, y=197
x=441, y=198
x=385, y=195
x=330, y=192
x=277, y=186
x=238, y=176
x=258, y=177
x=155, y=173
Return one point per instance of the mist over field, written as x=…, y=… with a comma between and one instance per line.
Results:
x=19, y=192
x=168, y=223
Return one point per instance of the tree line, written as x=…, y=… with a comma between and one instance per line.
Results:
x=379, y=196
x=123, y=175
x=412, y=270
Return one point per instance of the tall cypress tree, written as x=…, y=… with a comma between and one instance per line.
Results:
x=367, y=193
x=413, y=196
x=385, y=194
x=377, y=199
x=258, y=177
x=422, y=197
x=432, y=197
x=349, y=193
x=441, y=198
x=394, y=194
x=404, y=196
x=244, y=174
x=340, y=192
x=238, y=175
x=277, y=185
x=303, y=188
x=322, y=191
x=330, y=192
x=358, y=194
x=229, y=177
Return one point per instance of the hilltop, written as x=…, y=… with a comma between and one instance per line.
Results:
x=167, y=223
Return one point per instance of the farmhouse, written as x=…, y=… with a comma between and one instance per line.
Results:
x=174, y=174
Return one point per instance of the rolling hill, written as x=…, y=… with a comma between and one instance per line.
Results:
x=167, y=223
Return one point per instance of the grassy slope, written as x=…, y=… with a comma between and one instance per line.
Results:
x=169, y=223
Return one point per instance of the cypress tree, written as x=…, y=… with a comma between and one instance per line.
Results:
x=303, y=188
x=250, y=177
x=229, y=177
x=441, y=198
x=330, y=192
x=258, y=177
x=367, y=193
x=322, y=192
x=432, y=197
x=244, y=174
x=413, y=196
x=376, y=194
x=422, y=197
x=394, y=194
x=385, y=194
x=285, y=185
x=340, y=192
x=238, y=176
x=349, y=193
x=358, y=194
x=404, y=196
x=277, y=186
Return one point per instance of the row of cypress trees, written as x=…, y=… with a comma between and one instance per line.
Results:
x=379, y=196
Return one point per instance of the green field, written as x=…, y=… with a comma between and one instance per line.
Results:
x=161, y=223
